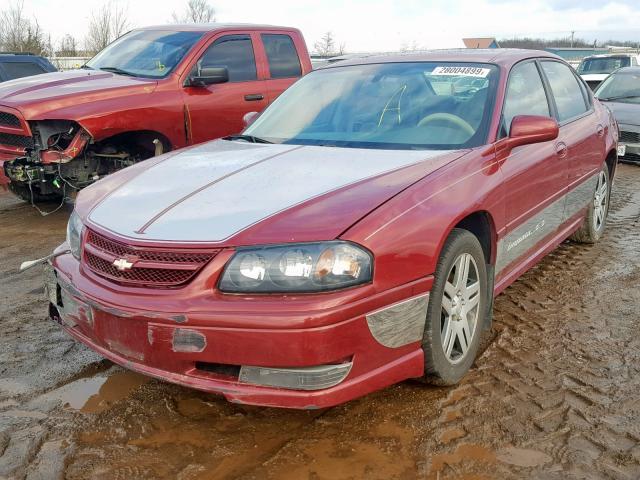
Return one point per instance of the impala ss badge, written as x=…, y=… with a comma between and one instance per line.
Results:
x=122, y=264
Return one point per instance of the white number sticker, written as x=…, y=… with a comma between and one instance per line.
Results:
x=462, y=71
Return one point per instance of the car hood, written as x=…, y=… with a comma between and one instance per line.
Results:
x=58, y=90
x=625, y=113
x=236, y=193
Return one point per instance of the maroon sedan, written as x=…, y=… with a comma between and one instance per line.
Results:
x=354, y=236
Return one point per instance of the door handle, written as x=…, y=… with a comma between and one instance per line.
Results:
x=600, y=130
x=254, y=97
x=561, y=149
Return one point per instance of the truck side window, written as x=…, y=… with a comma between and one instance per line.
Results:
x=525, y=94
x=235, y=52
x=282, y=56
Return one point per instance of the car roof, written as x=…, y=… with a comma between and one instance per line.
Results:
x=212, y=27
x=628, y=70
x=500, y=56
x=610, y=55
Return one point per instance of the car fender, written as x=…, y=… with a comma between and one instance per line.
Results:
x=408, y=233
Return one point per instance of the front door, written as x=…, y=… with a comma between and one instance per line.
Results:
x=535, y=176
x=218, y=110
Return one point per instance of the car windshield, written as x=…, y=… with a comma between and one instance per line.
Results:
x=621, y=87
x=145, y=53
x=602, y=65
x=390, y=106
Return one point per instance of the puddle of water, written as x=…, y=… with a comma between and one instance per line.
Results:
x=97, y=394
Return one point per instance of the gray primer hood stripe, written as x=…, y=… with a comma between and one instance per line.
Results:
x=212, y=192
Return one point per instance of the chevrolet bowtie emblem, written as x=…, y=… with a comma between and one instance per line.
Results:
x=122, y=264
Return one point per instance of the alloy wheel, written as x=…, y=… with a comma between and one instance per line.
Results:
x=600, y=200
x=460, y=308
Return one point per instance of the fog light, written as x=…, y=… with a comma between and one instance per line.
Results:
x=302, y=378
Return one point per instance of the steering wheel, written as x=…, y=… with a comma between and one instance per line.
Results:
x=450, y=118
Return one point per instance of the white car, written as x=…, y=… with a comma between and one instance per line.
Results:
x=596, y=68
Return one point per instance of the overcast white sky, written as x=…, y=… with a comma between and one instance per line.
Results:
x=379, y=25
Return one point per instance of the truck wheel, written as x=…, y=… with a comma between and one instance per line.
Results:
x=596, y=218
x=457, y=310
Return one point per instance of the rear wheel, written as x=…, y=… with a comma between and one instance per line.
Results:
x=457, y=309
x=596, y=217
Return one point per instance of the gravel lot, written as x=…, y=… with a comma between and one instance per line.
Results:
x=556, y=394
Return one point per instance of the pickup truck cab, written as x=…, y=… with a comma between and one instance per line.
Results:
x=153, y=90
x=596, y=68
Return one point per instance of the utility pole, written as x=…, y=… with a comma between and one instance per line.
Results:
x=573, y=32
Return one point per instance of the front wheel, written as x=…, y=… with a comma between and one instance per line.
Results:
x=596, y=217
x=457, y=309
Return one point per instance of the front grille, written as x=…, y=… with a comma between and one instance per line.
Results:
x=629, y=137
x=152, y=267
x=631, y=157
x=16, y=140
x=9, y=120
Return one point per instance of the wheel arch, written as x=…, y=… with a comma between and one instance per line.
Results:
x=481, y=224
x=139, y=136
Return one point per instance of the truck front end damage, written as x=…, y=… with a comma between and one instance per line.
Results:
x=52, y=159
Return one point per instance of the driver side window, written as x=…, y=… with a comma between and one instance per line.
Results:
x=525, y=95
x=235, y=52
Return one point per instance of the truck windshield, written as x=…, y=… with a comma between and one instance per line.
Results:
x=622, y=87
x=422, y=105
x=145, y=53
x=602, y=65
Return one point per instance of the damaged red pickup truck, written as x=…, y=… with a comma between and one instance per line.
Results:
x=152, y=90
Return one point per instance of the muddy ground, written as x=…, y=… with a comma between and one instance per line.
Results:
x=555, y=395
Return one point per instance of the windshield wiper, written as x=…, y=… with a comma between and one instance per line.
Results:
x=86, y=67
x=118, y=71
x=247, y=138
x=619, y=97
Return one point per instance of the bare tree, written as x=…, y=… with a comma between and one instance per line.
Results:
x=326, y=46
x=19, y=33
x=196, y=11
x=68, y=46
x=106, y=24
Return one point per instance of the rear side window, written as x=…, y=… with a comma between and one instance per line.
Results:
x=525, y=94
x=235, y=52
x=282, y=56
x=21, y=69
x=570, y=101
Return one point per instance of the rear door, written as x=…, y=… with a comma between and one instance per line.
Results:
x=535, y=176
x=282, y=60
x=217, y=110
x=580, y=131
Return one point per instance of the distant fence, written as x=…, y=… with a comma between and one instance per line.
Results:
x=68, y=63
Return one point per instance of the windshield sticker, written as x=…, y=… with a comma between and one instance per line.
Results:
x=462, y=71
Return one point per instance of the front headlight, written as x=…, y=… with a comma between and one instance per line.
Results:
x=74, y=234
x=300, y=267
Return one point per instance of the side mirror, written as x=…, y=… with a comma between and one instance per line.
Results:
x=208, y=76
x=530, y=129
x=248, y=118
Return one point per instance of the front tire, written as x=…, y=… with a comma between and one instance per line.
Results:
x=457, y=311
x=595, y=220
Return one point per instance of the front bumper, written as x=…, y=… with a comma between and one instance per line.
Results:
x=630, y=140
x=225, y=357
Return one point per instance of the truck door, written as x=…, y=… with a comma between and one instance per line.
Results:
x=283, y=62
x=217, y=110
